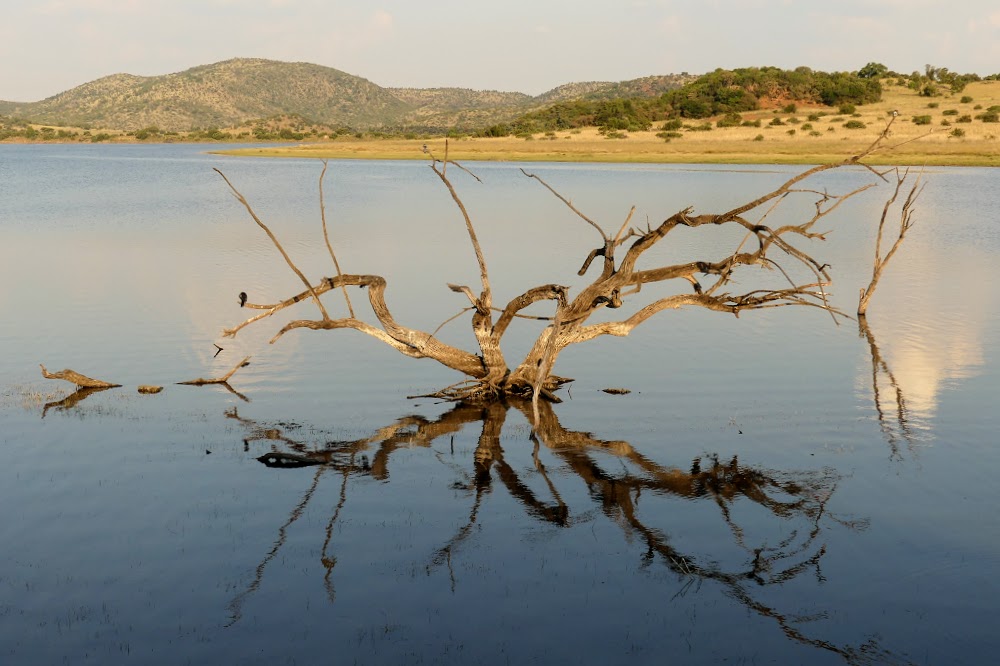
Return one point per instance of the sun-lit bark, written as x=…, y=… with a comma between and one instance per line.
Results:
x=702, y=283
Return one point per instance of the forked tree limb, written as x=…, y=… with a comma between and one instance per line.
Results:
x=906, y=221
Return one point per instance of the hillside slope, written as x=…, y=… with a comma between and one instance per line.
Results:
x=219, y=95
x=233, y=92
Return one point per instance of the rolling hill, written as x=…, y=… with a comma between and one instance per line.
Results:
x=230, y=93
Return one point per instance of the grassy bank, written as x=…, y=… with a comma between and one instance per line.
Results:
x=949, y=134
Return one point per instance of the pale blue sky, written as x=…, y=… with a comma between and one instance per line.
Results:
x=48, y=46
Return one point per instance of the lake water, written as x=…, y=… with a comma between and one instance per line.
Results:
x=775, y=489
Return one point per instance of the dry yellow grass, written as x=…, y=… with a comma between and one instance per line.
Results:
x=918, y=144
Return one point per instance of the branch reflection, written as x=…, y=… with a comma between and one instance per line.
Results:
x=616, y=476
x=890, y=403
x=73, y=399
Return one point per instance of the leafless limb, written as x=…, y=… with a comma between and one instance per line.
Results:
x=326, y=238
x=906, y=221
x=274, y=239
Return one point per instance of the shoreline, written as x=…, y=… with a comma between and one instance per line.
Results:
x=643, y=150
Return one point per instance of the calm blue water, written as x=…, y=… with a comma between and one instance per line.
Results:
x=775, y=489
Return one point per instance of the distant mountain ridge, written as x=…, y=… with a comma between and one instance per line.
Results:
x=232, y=92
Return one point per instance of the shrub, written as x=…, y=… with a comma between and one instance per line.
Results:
x=759, y=137
x=965, y=99
x=789, y=108
x=958, y=133
x=813, y=117
x=921, y=120
x=847, y=109
x=704, y=127
x=990, y=117
x=807, y=126
x=672, y=125
x=730, y=120
x=752, y=123
x=776, y=121
x=977, y=107
x=794, y=121
x=964, y=119
x=932, y=105
x=790, y=132
x=945, y=123
x=950, y=112
x=854, y=124
x=815, y=133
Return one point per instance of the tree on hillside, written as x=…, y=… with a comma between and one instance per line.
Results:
x=703, y=281
x=873, y=70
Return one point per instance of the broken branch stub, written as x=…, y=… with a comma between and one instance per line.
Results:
x=699, y=282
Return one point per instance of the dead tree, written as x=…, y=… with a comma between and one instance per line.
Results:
x=703, y=283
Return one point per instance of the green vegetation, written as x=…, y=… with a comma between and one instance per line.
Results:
x=739, y=90
x=728, y=93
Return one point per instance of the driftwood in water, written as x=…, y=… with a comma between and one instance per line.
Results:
x=218, y=380
x=83, y=381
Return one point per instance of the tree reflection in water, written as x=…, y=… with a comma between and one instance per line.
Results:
x=889, y=401
x=799, y=497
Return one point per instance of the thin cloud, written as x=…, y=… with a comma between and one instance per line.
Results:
x=63, y=7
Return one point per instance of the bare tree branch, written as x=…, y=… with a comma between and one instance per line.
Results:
x=905, y=223
x=274, y=239
x=326, y=237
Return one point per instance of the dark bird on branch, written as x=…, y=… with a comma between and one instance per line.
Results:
x=243, y=298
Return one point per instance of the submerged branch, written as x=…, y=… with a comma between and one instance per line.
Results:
x=224, y=379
